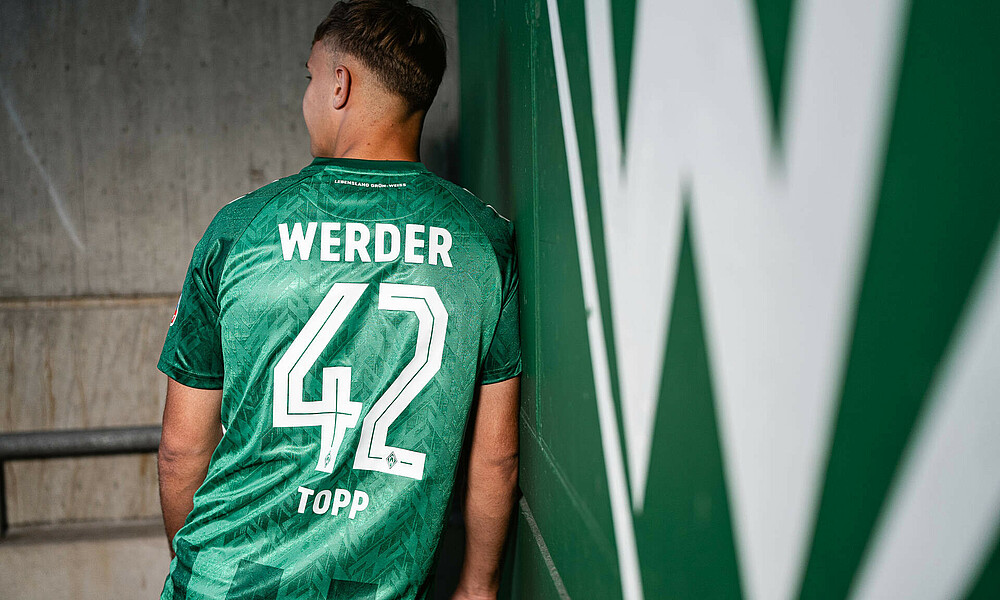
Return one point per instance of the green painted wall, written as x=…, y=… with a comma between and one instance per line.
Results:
x=900, y=483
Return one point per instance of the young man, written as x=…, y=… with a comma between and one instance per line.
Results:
x=332, y=334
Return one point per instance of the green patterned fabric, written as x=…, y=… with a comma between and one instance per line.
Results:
x=348, y=313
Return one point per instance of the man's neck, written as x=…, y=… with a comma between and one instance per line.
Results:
x=398, y=141
x=373, y=150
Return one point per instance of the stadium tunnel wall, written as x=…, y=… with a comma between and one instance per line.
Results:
x=125, y=126
x=760, y=292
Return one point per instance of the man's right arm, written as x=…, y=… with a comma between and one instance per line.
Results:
x=192, y=428
x=492, y=489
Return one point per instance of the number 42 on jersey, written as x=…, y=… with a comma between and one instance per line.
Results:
x=335, y=412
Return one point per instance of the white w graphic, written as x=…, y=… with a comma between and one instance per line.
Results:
x=778, y=241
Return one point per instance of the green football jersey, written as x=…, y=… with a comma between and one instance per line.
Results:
x=347, y=313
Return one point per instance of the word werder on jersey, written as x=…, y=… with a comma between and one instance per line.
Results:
x=360, y=242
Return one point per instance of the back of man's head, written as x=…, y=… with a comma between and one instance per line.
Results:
x=400, y=43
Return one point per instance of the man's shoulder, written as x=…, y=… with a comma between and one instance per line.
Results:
x=497, y=228
x=236, y=215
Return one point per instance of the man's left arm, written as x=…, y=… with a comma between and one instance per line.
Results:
x=192, y=428
x=491, y=489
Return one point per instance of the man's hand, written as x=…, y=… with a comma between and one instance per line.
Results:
x=192, y=428
x=492, y=489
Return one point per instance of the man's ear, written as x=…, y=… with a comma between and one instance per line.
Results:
x=341, y=86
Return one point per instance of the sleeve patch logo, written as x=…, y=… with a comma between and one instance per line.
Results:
x=176, y=308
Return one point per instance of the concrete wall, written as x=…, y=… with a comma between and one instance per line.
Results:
x=88, y=561
x=760, y=274
x=125, y=126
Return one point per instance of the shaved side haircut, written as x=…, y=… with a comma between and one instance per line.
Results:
x=402, y=44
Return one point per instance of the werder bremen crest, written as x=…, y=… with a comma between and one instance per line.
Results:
x=785, y=219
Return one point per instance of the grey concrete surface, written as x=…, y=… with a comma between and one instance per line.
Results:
x=74, y=364
x=67, y=366
x=100, y=561
x=68, y=490
x=128, y=124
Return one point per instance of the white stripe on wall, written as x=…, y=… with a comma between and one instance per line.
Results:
x=944, y=511
x=614, y=462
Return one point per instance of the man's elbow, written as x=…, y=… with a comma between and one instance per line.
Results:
x=502, y=467
x=172, y=453
x=169, y=455
x=508, y=463
x=509, y=467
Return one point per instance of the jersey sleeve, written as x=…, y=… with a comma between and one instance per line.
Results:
x=503, y=359
x=192, y=352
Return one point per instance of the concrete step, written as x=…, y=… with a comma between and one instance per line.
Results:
x=88, y=561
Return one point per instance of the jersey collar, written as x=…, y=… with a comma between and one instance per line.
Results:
x=370, y=166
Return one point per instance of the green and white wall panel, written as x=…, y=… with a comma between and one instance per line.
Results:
x=760, y=291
